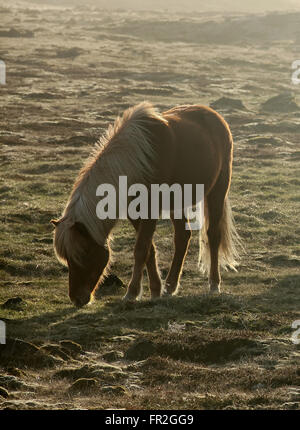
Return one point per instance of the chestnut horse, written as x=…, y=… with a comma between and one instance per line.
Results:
x=189, y=144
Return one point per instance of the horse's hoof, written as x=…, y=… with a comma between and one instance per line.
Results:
x=129, y=299
x=214, y=288
x=214, y=292
x=166, y=293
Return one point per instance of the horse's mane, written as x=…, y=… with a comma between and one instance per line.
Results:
x=125, y=149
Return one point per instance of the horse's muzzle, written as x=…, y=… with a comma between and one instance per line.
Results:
x=79, y=302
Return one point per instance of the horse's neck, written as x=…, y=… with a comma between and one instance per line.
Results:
x=87, y=200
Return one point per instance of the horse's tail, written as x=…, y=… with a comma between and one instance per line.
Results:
x=230, y=244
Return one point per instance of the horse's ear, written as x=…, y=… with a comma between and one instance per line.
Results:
x=55, y=222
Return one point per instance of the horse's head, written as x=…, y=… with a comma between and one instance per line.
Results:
x=86, y=259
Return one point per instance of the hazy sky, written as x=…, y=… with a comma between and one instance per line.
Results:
x=184, y=5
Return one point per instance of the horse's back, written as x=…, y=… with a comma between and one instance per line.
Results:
x=202, y=143
x=203, y=117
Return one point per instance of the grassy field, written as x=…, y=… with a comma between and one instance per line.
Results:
x=69, y=73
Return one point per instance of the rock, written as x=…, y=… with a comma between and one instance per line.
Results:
x=111, y=285
x=226, y=103
x=83, y=385
x=284, y=102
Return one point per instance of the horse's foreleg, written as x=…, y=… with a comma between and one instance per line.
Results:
x=142, y=251
x=152, y=268
x=181, y=241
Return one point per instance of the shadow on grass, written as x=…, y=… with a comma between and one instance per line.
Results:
x=111, y=319
x=281, y=297
x=105, y=319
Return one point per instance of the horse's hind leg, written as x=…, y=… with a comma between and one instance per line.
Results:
x=153, y=274
x=215, y=201
x=144, y=253
x=181, y=242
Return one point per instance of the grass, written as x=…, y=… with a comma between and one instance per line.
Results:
x=192, y=351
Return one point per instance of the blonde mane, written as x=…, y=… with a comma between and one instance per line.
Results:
x=125, y=149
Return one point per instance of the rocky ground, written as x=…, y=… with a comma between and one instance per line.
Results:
x=69, y=73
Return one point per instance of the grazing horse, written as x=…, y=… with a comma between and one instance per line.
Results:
x=189, y=144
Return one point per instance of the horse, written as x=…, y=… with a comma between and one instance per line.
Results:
x=189, y=144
